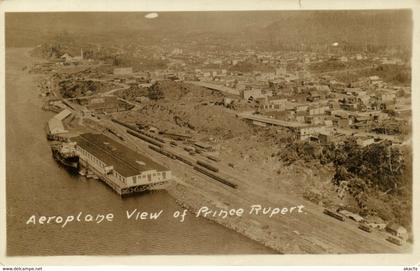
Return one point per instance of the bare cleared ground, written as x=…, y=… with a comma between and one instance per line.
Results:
x=262, y=179
x=246, y=157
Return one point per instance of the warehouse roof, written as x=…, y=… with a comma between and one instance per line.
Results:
x=55, y=126
x=125, y=161
x=63, y=114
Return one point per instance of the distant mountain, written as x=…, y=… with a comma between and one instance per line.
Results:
x=388, y=28
x=271, y=27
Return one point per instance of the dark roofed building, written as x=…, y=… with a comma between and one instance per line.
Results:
x=116, y=164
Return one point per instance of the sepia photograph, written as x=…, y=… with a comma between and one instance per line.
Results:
x=208, y=132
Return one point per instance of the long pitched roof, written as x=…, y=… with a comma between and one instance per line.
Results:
x=125, y=161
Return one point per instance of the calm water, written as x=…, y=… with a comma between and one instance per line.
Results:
x=37, y=185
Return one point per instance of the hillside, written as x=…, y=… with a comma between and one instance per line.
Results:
x=270, y=28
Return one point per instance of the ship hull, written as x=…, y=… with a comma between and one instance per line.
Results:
x=71, y=162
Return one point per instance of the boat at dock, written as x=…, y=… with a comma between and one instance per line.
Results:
x=65, y=154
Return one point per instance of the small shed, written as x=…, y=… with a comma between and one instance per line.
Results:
x=397, y=230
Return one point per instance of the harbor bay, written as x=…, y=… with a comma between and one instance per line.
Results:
x=37, y=184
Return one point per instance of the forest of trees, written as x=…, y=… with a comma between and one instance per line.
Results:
x=377, y=176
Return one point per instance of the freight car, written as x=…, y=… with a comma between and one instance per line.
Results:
x=208, y=166
x=145, y=138
x=151, y=136
x=334, y=214
x=183, y=159
x=213, y=158
x=395, y=240
x=132, y=127
x=365, y=227
x=162, y=151
x=215, y=176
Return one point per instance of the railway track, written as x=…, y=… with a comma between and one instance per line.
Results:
x=314, y=231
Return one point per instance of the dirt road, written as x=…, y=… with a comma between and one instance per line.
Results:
x=307, y=232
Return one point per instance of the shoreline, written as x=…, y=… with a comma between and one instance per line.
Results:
x=283, y=238
x=180, y=191
x=19, y=234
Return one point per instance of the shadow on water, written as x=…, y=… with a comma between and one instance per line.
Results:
x=73, y=172
x=138, y=194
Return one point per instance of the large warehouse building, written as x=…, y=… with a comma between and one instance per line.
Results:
x=123, y=169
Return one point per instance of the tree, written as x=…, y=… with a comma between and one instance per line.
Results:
x=155, y=93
